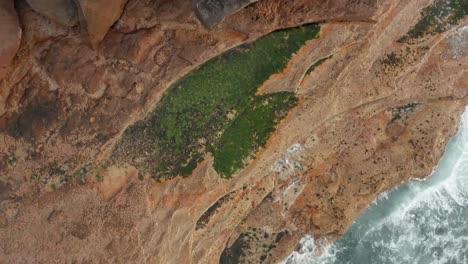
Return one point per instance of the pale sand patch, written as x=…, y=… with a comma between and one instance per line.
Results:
x=114, y=179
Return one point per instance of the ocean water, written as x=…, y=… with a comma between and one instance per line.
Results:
x=420, y=222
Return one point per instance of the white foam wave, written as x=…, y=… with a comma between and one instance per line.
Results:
x=424, y=221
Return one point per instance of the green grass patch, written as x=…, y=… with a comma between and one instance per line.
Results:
x=12, y=160
x=250, y=131
x=98, y=177
x=195, y=114
x=392, y=60
x=437, y=18
x=317, y=63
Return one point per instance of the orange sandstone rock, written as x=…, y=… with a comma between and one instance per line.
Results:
x=97, y=16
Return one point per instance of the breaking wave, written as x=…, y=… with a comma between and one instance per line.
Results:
x=421, y=222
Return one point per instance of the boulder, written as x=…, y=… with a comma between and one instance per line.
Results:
x=97, y=16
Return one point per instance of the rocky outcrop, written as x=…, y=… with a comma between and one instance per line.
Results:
x=10, y=34
x=96, y=17
x=213, y=12
x=63, y=12
x=372, y=112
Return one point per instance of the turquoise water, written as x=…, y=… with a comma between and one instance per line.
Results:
x=421, y=222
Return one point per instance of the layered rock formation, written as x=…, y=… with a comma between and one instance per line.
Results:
x=373, y=112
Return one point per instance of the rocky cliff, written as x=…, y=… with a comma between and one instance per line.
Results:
x=86, y=175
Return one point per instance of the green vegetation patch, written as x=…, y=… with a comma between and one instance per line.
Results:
x=12, y=160
x=392, y=60
x=437, y=18
x=206, y=216
x=205, y=110
x=253, y=246
x=250, y=130
x=98, y=178
x=317, y=63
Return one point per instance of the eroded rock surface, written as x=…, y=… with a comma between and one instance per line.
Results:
x=98, y=16
x=63, y=12
x=213, y=12
x=10, y=34
x=374, y=113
